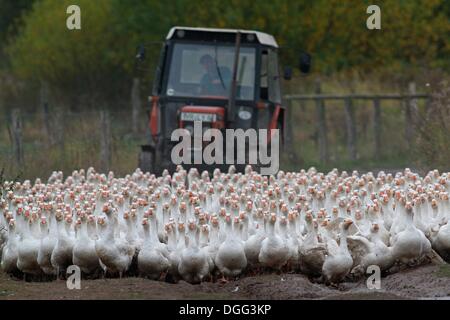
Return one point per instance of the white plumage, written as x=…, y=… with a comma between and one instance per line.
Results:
x=196, y=227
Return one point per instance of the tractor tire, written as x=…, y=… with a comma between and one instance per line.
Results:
x=146, y=162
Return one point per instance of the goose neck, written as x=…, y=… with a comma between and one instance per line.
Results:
x=172, y=241
x=343, y=240
x=83, y=231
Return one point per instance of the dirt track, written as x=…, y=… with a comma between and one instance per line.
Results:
x=428, y=282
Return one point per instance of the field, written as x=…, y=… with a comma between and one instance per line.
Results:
x=64, y=139
x=425, y=282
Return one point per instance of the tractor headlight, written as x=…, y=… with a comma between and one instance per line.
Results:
x=244, y=113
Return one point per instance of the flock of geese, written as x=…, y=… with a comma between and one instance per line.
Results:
x=205, y=228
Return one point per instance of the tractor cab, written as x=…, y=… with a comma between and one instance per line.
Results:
x=227, y=79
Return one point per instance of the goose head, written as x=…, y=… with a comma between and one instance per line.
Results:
x=347, y=223
x=375, y=228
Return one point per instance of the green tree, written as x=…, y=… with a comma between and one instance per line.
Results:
x=97, y=61
x=10, y=12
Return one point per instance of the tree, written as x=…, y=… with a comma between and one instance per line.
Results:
x=97, y=61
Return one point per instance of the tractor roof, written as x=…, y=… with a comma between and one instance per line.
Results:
x=263, y=38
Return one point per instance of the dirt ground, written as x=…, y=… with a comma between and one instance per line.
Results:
x=425, y=282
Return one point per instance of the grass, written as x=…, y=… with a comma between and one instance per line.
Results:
x=5, y=293
x=74, y=139
x=443, y=271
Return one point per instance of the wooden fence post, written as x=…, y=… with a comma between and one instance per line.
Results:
x=136, y=106
x=105, y=140
x=410, y=113
x=16, y=134
x=43, y=103
x=59, y=132
x=351, y=128
x=321, y=126
x=289, y=123
x=377, y=128
x=289, y=133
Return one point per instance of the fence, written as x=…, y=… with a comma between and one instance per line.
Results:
x=103, y=139
x=408, y=102
x=322, y=129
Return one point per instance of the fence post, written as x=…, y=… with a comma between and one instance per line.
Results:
x=377, y=128
x=289, y=123
x=16, y=134
x=135, y=105
x=321, y=126
x=105, y=140
x=351, y=128
x=43, y=103
x=59, y=132
x=289, y=134
x=410, y=112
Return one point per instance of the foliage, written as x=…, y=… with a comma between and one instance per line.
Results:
x=10, y=11
x=80, y=62
x=97, y=60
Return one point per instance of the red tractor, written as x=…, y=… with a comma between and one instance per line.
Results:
x=227, y=79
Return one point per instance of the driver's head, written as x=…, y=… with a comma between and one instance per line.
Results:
x=207, y=62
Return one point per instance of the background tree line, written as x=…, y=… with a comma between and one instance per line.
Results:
x=94, y=65
x=60, y=79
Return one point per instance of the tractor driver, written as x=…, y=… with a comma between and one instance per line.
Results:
x=216, y=79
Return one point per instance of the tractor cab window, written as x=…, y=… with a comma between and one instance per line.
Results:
x=274, y=78
x=199, y=70
x=264, y=83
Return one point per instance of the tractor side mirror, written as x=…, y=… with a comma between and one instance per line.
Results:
x=305, y=62
x=140, y=52
x=287, y=75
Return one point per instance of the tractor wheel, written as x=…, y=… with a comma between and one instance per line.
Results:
x=146, y=161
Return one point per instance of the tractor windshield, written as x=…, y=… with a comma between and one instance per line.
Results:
x=198, y=70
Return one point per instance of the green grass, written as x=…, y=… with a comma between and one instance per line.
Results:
x=81, y=132
x=443, y=271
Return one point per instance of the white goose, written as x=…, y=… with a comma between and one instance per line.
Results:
x=441, y=242
x=253, y=244
x=204, y=245
x=175, y=248
x=193, y=265
x=61, y=256
x=311, y=251
x=151, y=262
x=115, y=253
x=47, y=244
x=28, y=248
x=230, y=258
x=84, y=254
x=369, y=252
x=274, y=250
x=10, y=250
x=338, y=261
x=410, y=244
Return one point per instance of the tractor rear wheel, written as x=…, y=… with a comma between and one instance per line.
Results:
x=146, y=161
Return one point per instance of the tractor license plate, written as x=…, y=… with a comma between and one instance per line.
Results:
x=192, y=116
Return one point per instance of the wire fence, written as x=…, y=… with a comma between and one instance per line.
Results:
x=352, y=131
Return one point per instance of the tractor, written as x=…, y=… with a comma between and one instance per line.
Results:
x=227, y=79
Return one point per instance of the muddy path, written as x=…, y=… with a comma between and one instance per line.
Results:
x=425, y=282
